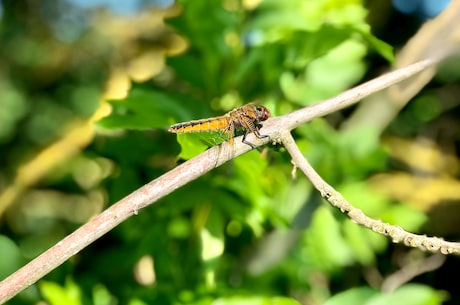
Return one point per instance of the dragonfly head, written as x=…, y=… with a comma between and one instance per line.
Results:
x=262, y=113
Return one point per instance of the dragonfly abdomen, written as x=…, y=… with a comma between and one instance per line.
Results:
x=203, y=125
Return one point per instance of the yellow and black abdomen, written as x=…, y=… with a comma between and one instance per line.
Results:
x=204, y=125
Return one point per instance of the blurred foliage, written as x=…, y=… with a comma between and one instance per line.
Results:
x=86, y=98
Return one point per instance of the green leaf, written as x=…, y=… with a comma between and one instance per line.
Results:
x=363, y=197
x=410, y=294
x=137, y=302
x=405, y=216
x=360, y=295
x=146, y=109
x=212, y=237
x=326, y=76
x=179, y=227
x=328, y=247
x=11, y=257
x=363, y=242
x=249, y=173
x=191, y=146
x=380, y=46
x=102, y=296
x=55, y=294
x=255, y=300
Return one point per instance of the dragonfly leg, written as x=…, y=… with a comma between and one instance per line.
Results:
x=246, y=142
x=260, y=136
x=257, y=134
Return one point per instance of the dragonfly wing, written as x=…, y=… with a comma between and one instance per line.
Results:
x=229, y=133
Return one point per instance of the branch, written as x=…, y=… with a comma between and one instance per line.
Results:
x=397, y=234
x=352, y=96
x=410, y=269
x=443, y=30
x=194, y=168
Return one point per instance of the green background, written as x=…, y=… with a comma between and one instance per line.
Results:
x=86, y=97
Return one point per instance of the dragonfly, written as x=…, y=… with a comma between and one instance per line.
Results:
x=247, y=117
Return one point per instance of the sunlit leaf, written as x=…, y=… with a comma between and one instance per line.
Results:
x=326, y=76
x=193, y=144
x=212, y=237
x=69, y=294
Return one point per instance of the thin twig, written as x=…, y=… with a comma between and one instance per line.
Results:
x=412, y=269
x=397, y=234
x=185, y=173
